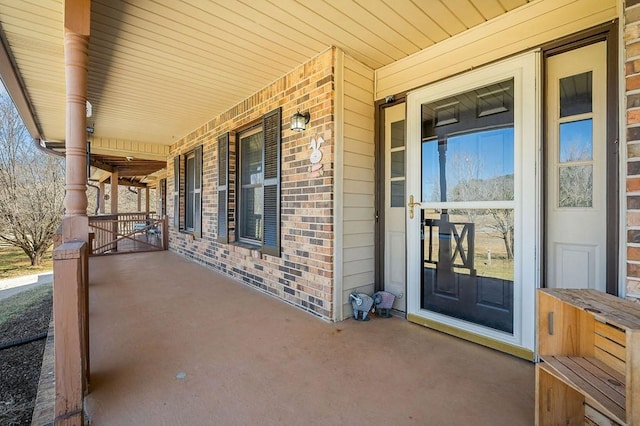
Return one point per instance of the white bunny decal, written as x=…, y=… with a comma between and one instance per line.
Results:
x=316, y=154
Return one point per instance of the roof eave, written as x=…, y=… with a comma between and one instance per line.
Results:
x=14, y=84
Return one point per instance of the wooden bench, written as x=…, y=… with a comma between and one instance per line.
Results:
x=589, y=347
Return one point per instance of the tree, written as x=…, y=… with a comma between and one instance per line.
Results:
x=31, y=187
x=471, y=187
x=492, y=189
x=576, y=179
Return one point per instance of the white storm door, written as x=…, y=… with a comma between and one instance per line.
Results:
x=454, y=241
x=394, y=188
x=576, y=169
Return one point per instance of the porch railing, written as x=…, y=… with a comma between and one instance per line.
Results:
x=455, y=241
x=127, y=232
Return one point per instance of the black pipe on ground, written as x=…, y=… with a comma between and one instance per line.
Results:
x=23, y=341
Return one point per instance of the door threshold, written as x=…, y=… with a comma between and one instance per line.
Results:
x=508, y=348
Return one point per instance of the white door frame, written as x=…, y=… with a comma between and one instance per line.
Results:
x=525, y=70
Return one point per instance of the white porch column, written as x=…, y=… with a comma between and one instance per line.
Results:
x=70, y=292
x=76, y=42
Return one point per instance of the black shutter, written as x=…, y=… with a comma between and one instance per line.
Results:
x=176, y=192
x=271, y=211
x=223, y=188
x=197, y=192
x=161, y=198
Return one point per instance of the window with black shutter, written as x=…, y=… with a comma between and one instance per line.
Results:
x=176, y=192
x=258, y=184
x=223, y=188
x=189, y=218
x=190, y=186
x=271, y=222
x=197, y=192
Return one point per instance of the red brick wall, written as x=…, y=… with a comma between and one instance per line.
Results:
x=632, y=89
x=303, y=275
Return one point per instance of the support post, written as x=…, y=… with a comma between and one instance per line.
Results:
x=139, y=199
x=165, y=232
x=70, y=298
x=114, y=191
x=101, y=200
x=146, y=200
x=70, y=289
x=114, y=208
x=76, y=59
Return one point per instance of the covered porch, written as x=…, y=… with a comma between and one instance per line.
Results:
x=160, y=94
x=173, y=342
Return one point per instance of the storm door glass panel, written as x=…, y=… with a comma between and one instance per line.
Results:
x=576, y=186
x=474, y=166
x=575, y=142
x=576, y=94
x=190, y=194
x=397, y=160
x=251, y=178
x=468, y=179
x=468, y=265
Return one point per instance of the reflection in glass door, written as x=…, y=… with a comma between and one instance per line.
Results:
x=468, y=157
x=473, y=205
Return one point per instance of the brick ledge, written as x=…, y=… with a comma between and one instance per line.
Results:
x=43, y=410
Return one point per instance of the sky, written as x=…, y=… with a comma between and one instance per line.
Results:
x=482, y=155
x=576, y=141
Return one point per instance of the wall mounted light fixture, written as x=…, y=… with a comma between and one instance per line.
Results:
x=299, y=121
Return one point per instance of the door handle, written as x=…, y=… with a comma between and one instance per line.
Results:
x=411, y=205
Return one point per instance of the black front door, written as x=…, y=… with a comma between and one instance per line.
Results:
x=468, y=171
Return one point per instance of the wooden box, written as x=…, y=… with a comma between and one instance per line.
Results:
x=589, y=347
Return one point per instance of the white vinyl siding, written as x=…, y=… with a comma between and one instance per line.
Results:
x=533, y=24
x=358, y=184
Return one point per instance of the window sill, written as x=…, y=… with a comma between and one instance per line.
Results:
x=187, y=233
x=246, y=249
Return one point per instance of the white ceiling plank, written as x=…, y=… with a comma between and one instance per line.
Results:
x=155, y=35
x=160, y=68
x=378, y=18
x=466, y=12
x=489, y=9
x=343, y=18
x=131, y=55
x=441, y=14
x=322, y=18
x=264, y=25
x=233, y=34
x=512, y=4
x=419, y=20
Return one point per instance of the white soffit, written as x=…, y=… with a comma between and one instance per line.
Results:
x=160, y=68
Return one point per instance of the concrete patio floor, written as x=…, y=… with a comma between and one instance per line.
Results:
x=174, y=343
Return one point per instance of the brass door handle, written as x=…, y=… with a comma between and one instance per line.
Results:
x=411, y=205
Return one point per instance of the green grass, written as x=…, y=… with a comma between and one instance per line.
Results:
x=499, y=268
x=15, y=305
x=14, y=263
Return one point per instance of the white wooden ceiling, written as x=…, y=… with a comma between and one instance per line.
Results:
x=161, y=68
